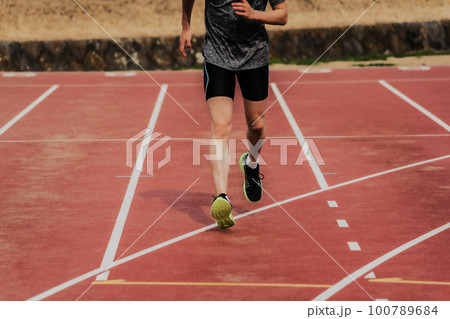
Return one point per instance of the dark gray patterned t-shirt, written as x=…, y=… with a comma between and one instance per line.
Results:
x=232, y=41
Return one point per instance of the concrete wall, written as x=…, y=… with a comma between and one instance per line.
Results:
x=162, y=53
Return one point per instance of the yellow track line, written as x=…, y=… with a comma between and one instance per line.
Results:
x=243, y=284
x=401, y=281
x=240, y=284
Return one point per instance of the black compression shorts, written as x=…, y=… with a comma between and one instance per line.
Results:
x=254, y=83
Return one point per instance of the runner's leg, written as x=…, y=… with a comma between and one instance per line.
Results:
x=256, y=126
x=221, y=111
x=254, y=85
x=219, y=92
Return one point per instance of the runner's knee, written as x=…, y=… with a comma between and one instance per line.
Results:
x=221, y=128
x=257, y=125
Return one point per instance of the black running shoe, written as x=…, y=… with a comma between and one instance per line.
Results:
x=252, y=180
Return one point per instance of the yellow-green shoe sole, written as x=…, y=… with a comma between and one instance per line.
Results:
x=221, y=211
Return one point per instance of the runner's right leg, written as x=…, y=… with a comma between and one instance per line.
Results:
x=219, y=84
x=221, y=111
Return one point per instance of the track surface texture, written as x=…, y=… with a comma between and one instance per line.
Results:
x=359, y=213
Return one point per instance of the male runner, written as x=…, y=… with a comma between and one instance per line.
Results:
x=236, y=46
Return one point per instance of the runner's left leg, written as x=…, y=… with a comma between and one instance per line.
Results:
x=256, y=125
x=256, y=131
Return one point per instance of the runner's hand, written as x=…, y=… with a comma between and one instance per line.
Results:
x=244, y=9
x=185, y=42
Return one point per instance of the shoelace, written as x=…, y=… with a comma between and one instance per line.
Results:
x=261, y=177
x=256, y=177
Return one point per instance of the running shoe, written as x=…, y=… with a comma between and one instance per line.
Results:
x=221, y=211
x=252, y=180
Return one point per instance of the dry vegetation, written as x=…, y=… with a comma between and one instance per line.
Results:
x=22, y=20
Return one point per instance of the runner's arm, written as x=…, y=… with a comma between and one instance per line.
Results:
x=278, y=15
x=186, y=34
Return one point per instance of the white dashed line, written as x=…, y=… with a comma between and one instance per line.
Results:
x=332, y=203
x=120, y=74
x=323, y=296
x=414, y=68
x=19, y=74
x=354, y=246
x=375, y=263
x=315, y=70
x=370, y=275
x=342, y=223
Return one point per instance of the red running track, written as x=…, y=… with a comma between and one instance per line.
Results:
x=385, y=183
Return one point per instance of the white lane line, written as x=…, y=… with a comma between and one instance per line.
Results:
x=96, y=140
x=19, y=74
x=169, y=242
x=196, y=84
x=298, y=133
x=332, y=203
x=194, y=138
x=363, y=270
x=375, y=136
x=342, y=223
x=353, y=245
x=28, y=109
x=417, y=106
x=120, y=74
x=315, y=70
x=414, y=68
x=113, y=244
x=128, y=176
x=106, y=271
x=67, y=284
